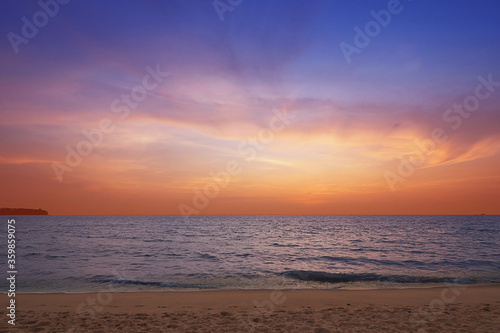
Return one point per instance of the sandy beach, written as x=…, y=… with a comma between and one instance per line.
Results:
x=437, y=309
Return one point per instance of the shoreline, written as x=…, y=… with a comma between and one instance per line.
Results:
x=446, y=309
x=488, y=291
x=187, y=290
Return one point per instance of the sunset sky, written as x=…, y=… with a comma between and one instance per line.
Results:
x=263, y=87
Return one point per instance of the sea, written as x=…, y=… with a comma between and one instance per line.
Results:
x=60, y=254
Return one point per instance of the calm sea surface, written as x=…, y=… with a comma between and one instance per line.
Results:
x=87, y=253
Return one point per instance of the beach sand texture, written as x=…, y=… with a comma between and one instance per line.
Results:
x=436, y=309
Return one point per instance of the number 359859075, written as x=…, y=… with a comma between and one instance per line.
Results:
x=11, y=243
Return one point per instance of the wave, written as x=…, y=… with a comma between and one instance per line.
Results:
x=207, y=256
x=284, y=245
x=48, y=256
x=420, y=264
x=318, y=276
x=244, y=255
x=125, y=282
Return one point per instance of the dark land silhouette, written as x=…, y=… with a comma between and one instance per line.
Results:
x=22, y=211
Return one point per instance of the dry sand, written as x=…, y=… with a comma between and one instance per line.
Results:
x=437, y=309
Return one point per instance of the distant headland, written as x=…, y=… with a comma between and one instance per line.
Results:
x=22, y=211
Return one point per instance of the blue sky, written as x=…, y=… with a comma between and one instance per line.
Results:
x=225, y=78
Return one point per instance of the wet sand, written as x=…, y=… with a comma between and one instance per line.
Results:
x=437, y=309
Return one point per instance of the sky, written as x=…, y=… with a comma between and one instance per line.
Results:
x=250, y=107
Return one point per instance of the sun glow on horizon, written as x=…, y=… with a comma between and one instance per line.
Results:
x=138, y=118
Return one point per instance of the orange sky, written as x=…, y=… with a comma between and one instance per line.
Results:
x=149, y=110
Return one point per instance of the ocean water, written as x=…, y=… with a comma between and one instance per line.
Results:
x=127, y=253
